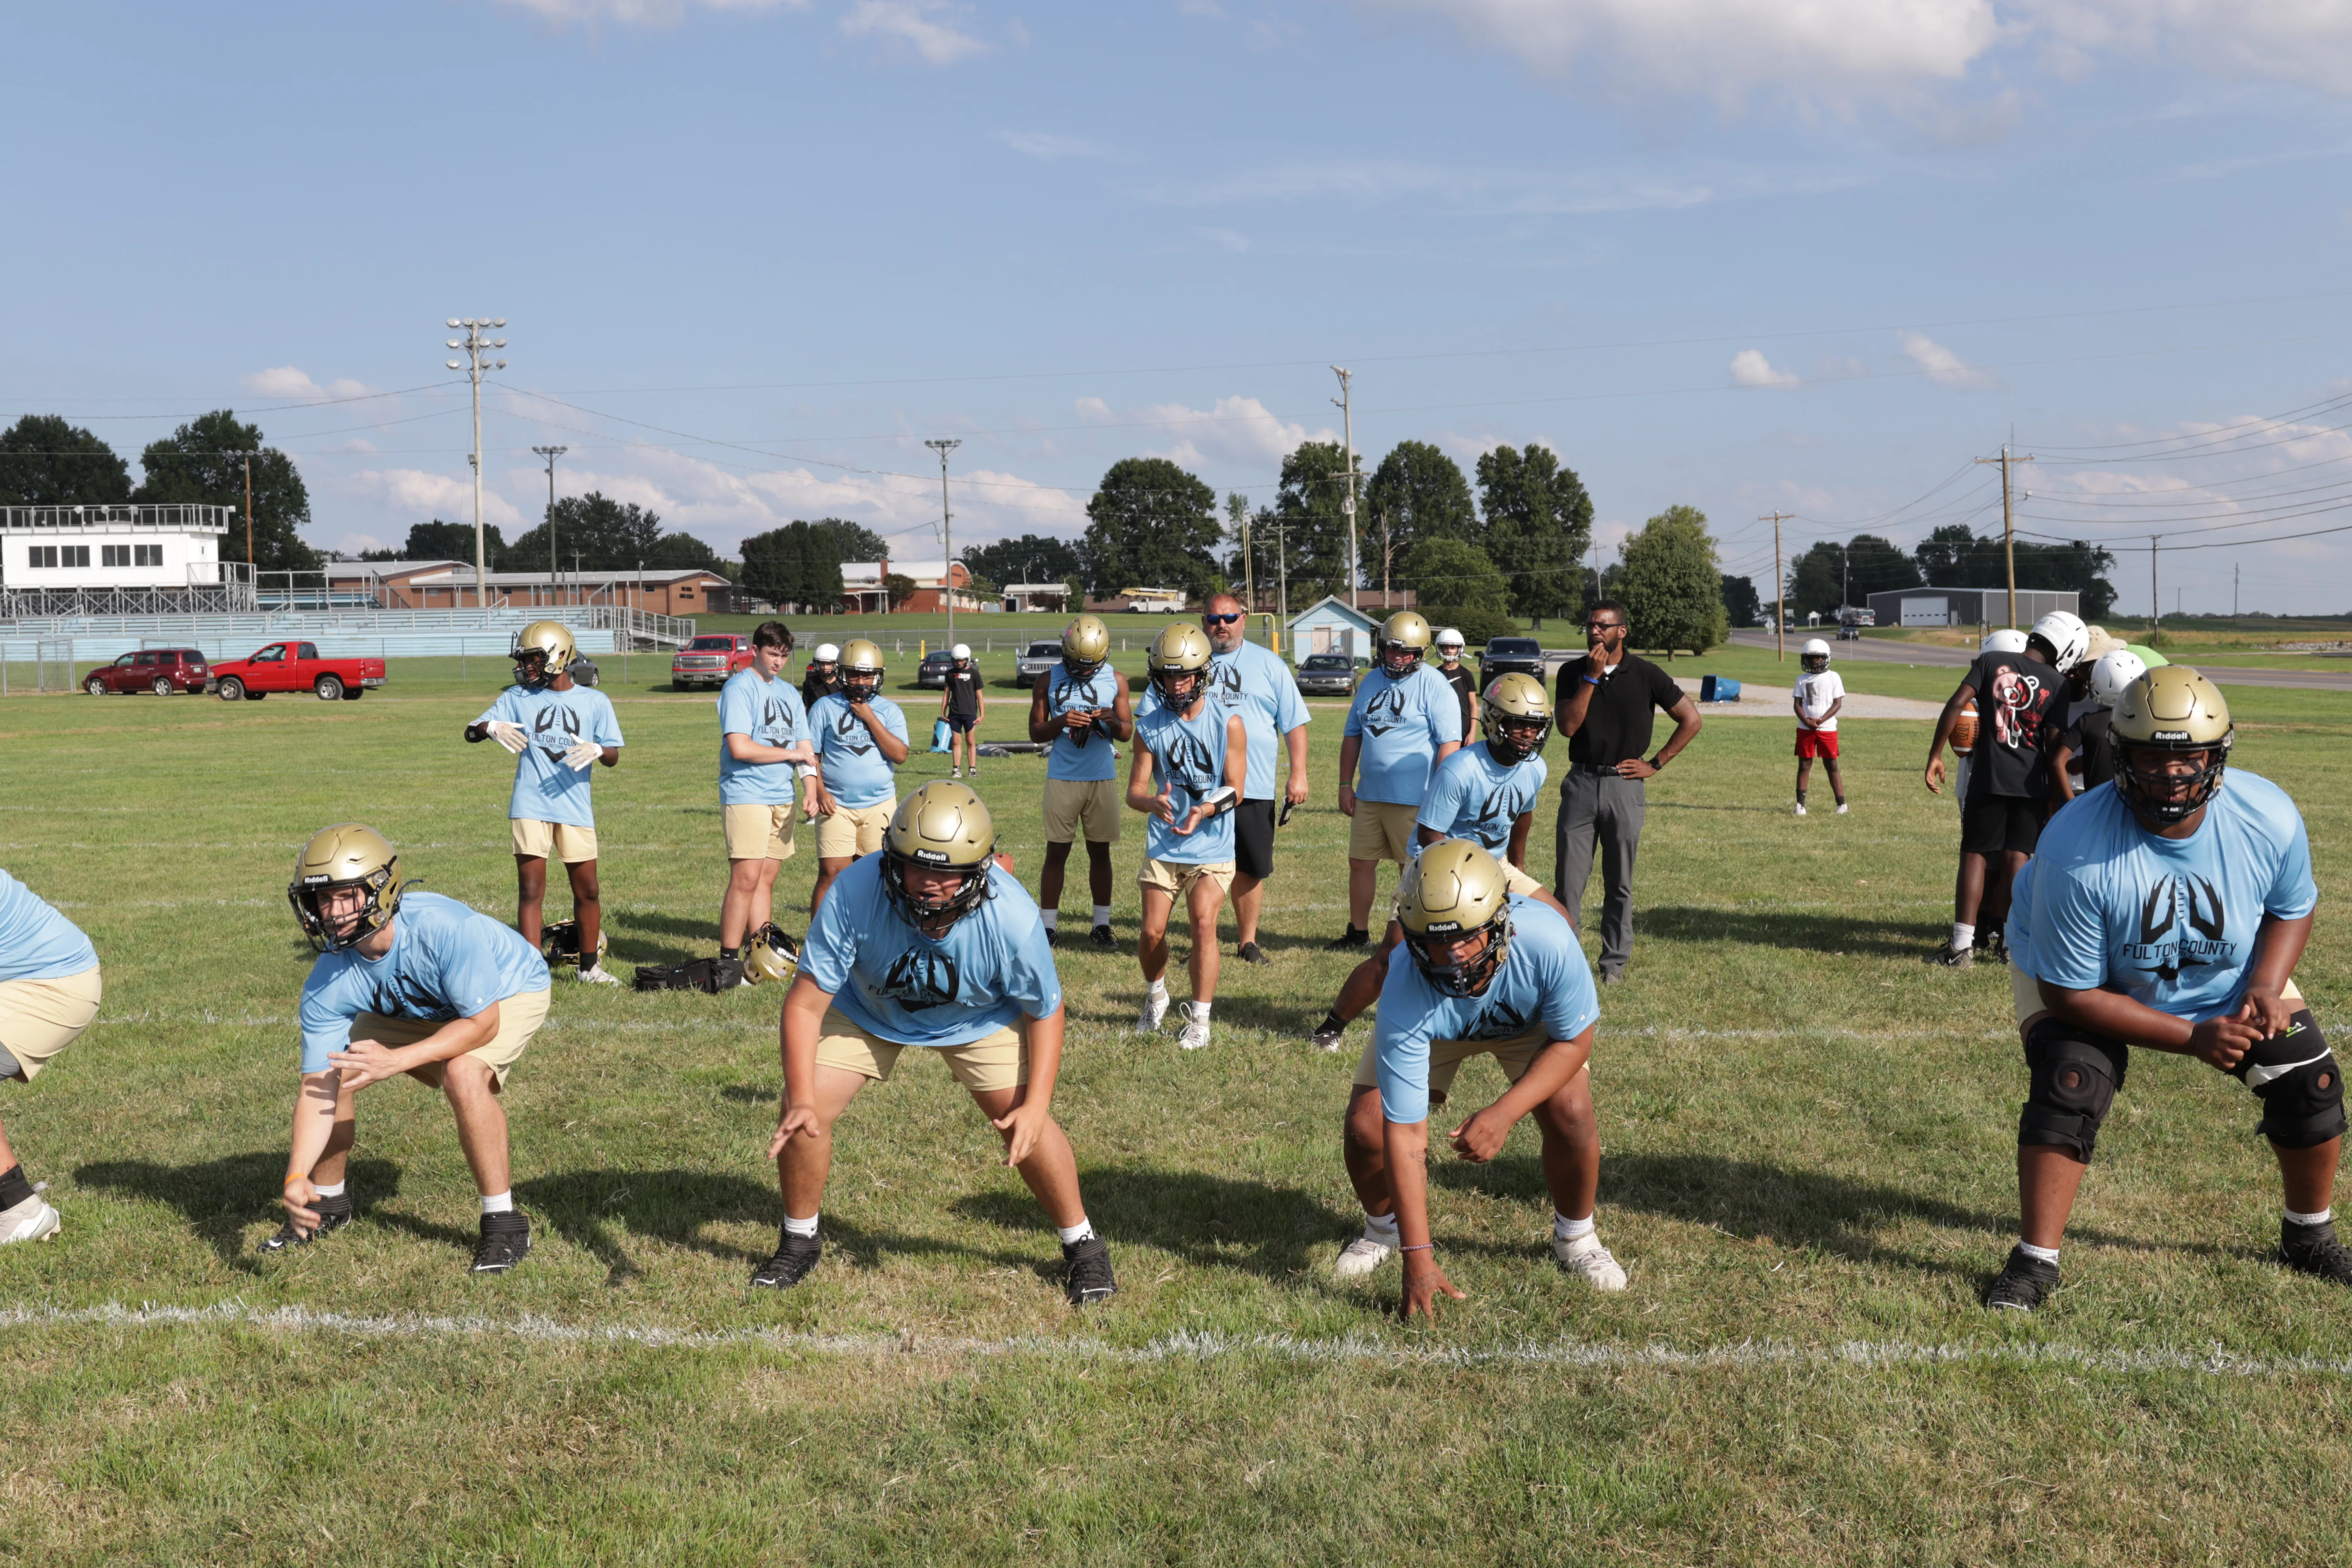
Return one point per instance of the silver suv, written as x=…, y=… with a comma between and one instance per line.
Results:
x=1038, y=658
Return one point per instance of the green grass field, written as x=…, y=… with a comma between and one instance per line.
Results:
x=1808, y=1171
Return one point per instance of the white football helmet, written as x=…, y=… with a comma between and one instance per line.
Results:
x=826, y=653
x=1814, y=649
x=2067, y=635
x=961, y=653
x=2113, y=672
x=2009, y=639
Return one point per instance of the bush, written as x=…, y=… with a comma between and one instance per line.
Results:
x=1478, y=624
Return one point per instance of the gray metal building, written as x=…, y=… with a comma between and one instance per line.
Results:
x=1968, y=607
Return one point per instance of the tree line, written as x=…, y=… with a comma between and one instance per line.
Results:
x=1829, y=575
x=45, y=461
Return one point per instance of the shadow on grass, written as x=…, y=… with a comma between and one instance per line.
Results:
x=1211, y=1222
x=1781, y=929
x=221, y=1199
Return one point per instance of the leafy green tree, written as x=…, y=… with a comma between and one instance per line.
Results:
x=899, y=587
x=1417, y=493
x=1451, y=571
x=1672, y=585
x=1815, y=579
x=1152, y=525
x=1538, y=524
x=594, y=532
x=44, y=462
x=192, y=465
x=799, y=563
x=1307, y=507
x=1954, y=557
x=439, y=541
x=1012, y=560
x=1875, y=566
x=853, y=541
x=1740, y=603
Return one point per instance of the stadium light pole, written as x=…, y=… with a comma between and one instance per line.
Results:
x=249, y=458
x=947, y=530
x=550, y=454
x=477, y=364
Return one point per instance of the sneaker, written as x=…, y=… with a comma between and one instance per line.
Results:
x=1946, y=956
x=1352, y=940
x=1100, y=936
x=955, y=772
x=1155, y=1007
x=1053, y=936
x=1841, y=810
x=32, y=1220
x=794, y=1257
x=334, y=1214
x=2307, y=1249
x=1248, y=953
x=2024, y=1283
x=1801, y=808
x=1327, y=1038
x=1613, y=977
x=1589, y=1261
x=1196, y=1031
x=1994, y=945
x=599, y=975
x=1360, y=1257
x=1086, y=1272
x=505, y=1239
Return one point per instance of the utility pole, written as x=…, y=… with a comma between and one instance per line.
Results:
x=249, y=458
x=1237, y=510
x=1345, y=404
x=477, y=364
x=947, y=530
x=1781, y=584
x=1282, y=569
x=2155, y=594
x=2234, y=573
x=550, y=454
x=1385, y=601
x=2008, y=523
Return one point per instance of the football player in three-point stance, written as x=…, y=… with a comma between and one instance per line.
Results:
x=1489, y=971
x=2166, y=911
x=861, y=738
x=1073, y=708
x=1192, y=759
x=557, y=730
x=764, y=739
x=930, y=944
x=1404, y=721
x=406, y=982
x=49, y=990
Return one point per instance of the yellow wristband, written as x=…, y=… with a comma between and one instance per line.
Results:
x=295, y=1176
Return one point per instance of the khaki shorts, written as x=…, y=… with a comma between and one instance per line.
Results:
x=1382, y=830
x=758, y=832
x=519, y=1016
x=554, y=840
x=853, y=830
x=995, y=1061
x=1514, y=1056
x=1071, y=805
x=39, y=1019
x=2025, y=995
x=1513, y=880
x=1175, y=878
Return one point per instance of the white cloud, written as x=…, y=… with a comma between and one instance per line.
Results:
x=1944, y=367
x=1234, y=430
x=1750, y=368
x=1500, y=192
x=417, y=496
x=639, y=13
x=915, y=24
x=288, y=384
x=1052, y=147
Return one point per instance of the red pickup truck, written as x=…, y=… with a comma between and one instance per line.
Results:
x=295, y=666
x=709, y=659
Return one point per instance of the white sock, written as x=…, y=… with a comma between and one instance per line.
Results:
x=1078, y=1232
x=335, y=1191
x=499, y=1202
x=2046, y=1254
x=1200, y=1012
x=1963, y=937
x=1102, y=914
x=1158, y=988
x=799, y=1226
x=2322, y=1217
x=1380, y=1227
x=1052, y=918
x=1568, y=1229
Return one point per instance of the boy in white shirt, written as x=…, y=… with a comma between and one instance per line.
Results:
x=1819, y=696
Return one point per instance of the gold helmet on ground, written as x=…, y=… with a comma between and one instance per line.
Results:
x=2172, y=710
x=1518, y=716
x=942, y=826
x=345, y=855
x=559, y=943
x=1452, y=889
x=861, y=670
x=1404, y=640
x=542, y=650
x=1178, y=659
x=1085, y=644
x=770, y=955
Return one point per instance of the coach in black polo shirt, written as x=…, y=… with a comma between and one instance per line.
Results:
x=1605, y=708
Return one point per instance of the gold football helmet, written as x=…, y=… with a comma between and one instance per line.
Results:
x=1517, y=717
x=2171, y=710
x=542, y=650
x=559, y=943
x=1404, y=640
x=347, y=855
x=942, y=826
x=1179, y=661
x=771, y=955
x=1085, y=644
x=1452, y=889
x=861, y=670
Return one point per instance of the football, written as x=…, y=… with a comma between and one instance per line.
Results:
x=1963, y=730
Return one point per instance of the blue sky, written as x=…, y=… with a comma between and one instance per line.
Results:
x=1744, y=255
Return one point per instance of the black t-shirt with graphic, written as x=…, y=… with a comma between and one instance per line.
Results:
x=1465, y=687
x=964, y=692
x=2018, y=699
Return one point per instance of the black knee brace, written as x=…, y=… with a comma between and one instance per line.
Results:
x=2075, y=1078
x=2296, y=1077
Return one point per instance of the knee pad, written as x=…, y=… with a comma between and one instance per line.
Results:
x=2296, y=1077
x=2074, y=1082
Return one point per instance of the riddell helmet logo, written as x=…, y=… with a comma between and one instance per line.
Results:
x=2169, y=735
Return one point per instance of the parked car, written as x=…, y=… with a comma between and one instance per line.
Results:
x=1328, y=672
x=1849, y=632
x=933, y=671
x=162, y=670
x=583, y=672
x=1039, y=658
x=1510, y=655
x=296, y=667
x=709, y=661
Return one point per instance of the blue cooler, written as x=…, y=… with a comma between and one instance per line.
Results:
x=1717, y=689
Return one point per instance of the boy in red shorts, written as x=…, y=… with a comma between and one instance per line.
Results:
x=1819, y=696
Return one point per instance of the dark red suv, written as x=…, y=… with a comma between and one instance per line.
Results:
x=162, y=670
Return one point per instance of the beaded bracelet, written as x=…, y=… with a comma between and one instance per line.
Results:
x=1419, y=1246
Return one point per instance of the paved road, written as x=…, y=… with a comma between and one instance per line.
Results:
x=1877, y=652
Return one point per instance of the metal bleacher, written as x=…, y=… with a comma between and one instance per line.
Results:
x=339, y=632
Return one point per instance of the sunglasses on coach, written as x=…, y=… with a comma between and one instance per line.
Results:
x=1221, y=620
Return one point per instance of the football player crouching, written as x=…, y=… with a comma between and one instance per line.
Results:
x=406, y=982
x=931, y=945
x=1489, y=971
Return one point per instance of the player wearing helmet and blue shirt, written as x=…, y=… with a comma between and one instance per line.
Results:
x=1079, y=710
x=861, y=738
x=1404, y=721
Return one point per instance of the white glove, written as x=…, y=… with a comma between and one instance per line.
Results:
x=583, y=754
x=511, y=736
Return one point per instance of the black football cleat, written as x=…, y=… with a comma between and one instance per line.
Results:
x=1349, y=942
x=1086, y=1272
x=2024, y=1283
x=1101, y=937
x=794, y=1257
x=1248, y=953
x=334, y=1214
x=506, y=1237
x=2312, y=1249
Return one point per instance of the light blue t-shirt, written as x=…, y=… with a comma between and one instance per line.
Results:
x=2169, y=922
x=546, y=788
x=1256, y=684
x=1190, y=755
x=1097, y=760
x=854, y=767
x=992, y=965
x=447, y=961
x=2018, y=934
x=1403, y=724
x=36, y=942
x=1475, y=797
x=770, y=712
x=1544, y=980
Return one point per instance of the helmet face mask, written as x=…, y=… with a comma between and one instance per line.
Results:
x=1178, y=666
x=1814, y=657
x=338, y=862
x=542, y=651
x=937, y=855
x=2171, y=735
x=860, y=671
x=1454, y=910
x=1517, y=717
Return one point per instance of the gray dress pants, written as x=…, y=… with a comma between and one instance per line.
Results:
x=1603, y=809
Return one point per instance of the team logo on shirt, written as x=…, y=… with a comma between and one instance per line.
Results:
x=1499, y=1020
x=1495, y=820
x=2013, y=694
x=849, y=726
x=1226, y=681
x=561, y=722
x=1188, y=763
x=2170, y=899
x=1384, y=711
x=919, y=978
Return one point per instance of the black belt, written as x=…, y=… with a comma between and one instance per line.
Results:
x=1607, y=769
